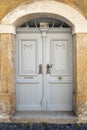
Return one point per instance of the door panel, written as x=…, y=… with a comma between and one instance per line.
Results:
x=26, y=93
x=60, y=96
x=59, y=57
x=28, y=57
x=28, y=79
x=59, y=80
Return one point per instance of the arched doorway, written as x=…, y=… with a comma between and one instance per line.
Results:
x=56, y=9
x=44, y=79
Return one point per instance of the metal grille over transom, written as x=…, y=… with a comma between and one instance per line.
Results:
x=45, y=22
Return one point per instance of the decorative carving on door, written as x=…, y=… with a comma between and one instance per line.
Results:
x=59, y=57
x=28, y=57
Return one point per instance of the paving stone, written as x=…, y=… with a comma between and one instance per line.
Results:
x=36, y=126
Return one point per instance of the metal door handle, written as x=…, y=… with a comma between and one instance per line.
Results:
x=60, y=77
x=48, y=68
x=40, y=69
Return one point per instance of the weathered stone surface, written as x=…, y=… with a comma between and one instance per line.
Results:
x=7, y=5
x=6, y=63
x=81, y=74
x=7, y=97
x=7, y=104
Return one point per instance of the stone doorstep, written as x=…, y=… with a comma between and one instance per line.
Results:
x=47, y=117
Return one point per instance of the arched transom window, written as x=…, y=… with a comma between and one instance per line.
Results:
x=44, y=22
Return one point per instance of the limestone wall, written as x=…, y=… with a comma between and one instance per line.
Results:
x=80, y=76
x=7, y=96
x=8, y=5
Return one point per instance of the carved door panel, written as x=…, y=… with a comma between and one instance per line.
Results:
x=28, y=71
x=59, y=79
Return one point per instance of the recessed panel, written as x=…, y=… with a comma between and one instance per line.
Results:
x=60, y=97
x=59, y=57
x=27, y=56
x=26, y=94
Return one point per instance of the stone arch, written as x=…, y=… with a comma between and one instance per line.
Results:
x=73, y=17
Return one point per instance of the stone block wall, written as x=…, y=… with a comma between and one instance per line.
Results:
x=80, y=45
x=7, y=96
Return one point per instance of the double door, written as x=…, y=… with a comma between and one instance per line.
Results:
x=44, y=70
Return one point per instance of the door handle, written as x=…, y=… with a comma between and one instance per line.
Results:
x=40, y=69
x=60, y=77
x=48, y=68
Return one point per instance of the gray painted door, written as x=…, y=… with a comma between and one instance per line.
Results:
x=44, y=70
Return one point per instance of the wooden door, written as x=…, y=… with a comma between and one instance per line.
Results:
x=44, y=78
x=28, y=79
x=59, y=79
